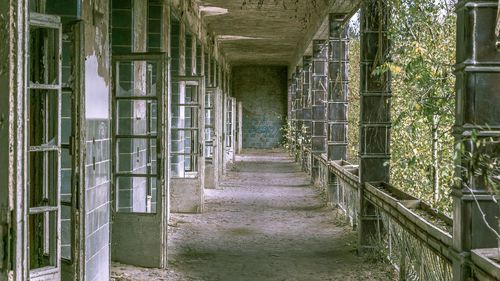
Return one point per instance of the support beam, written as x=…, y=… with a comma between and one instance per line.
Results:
x=478, y=73
x=375, y=120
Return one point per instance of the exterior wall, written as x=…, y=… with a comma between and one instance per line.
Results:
x=98, y=141
x=263, y=93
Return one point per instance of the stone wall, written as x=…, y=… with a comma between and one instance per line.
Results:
x=263, y=92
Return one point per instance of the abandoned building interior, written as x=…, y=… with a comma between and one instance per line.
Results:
x=117, y=114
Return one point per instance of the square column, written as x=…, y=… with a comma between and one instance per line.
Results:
x=298, y=107
x=306, y=94
x=477, y=131
x=375, y=119
x=318, y=96
x=338, y=64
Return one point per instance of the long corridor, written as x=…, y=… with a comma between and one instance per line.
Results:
x=268, y=223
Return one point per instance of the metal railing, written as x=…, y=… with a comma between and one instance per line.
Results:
x=411, y=235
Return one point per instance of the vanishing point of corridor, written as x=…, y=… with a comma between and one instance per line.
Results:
x=268, y=223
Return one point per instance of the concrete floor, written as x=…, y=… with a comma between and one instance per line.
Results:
x=267, y=224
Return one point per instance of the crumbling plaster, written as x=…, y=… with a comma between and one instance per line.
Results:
x=278, y=33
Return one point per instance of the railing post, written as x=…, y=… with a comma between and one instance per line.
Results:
x=337, y=113
x=477, y=114
x=318, y=103
x=375, y=120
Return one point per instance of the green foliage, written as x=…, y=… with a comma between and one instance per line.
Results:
x=354, y=94
x=423, y=37
x=422, y=33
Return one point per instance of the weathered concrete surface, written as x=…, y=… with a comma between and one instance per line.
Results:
x=268, y=224
x=273, y=33
x=186, y=195
x=263, y=92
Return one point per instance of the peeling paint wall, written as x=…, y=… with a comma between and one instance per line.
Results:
x=5, y=137
x=98, y=141
x=263, y=93
x=12, y=143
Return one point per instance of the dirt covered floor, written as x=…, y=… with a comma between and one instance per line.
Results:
x=267, y=224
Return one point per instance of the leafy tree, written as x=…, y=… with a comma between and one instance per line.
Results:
x=423, y=37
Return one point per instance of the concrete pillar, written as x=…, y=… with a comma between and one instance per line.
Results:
x=319, y=95
x=319, y=92
x=306, y=94
x=13, y=14
x=477, y=114
x=375, y=120
x=298, y=104
x=337, y=113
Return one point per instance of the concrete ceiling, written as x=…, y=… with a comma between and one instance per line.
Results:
x=270, y=33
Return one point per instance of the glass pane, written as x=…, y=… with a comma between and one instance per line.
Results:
x=42, y=243
x=191, y=94
x=136, y=156
x=43, y=179
x=137, y=78
x=136, y=194
x=66, y=232
x=44, y=56
x=43, y=117
x=66, y=174
x=137, y=117
x=209, y=118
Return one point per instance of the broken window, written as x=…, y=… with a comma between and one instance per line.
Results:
x=44, y=144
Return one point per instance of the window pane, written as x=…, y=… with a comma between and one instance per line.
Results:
x=137, y=78
x=136, y=156
x=136, y=194
x=137, y=117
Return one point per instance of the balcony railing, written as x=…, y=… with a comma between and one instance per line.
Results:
x=411, y=235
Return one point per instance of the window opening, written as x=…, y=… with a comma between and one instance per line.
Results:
x=136, y=137
x=186, y=129
x=229, y=123
x=209, y=125
x=44, y=143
